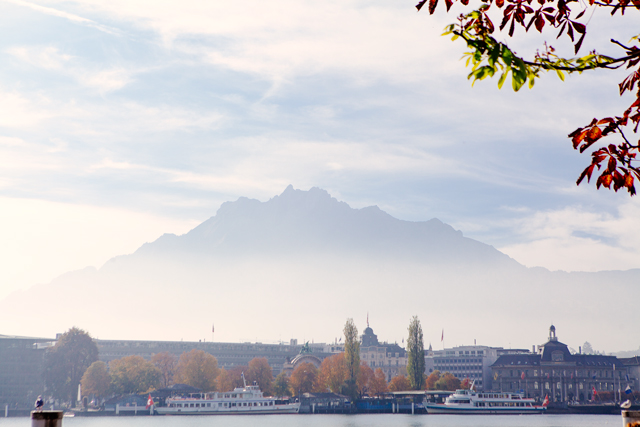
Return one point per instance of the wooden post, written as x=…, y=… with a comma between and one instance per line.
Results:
x=46, y=419
x=630, y=418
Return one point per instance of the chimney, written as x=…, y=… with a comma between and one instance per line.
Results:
x=579, y=349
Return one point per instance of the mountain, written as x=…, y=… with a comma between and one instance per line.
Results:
x=312, y=222
x=300, y=264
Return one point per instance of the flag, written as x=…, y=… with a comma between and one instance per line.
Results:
x=545, y=403
x=628, y=390
x=522, y=376
x=149, y=402
x=442, y=338
x=340, y=340
x=212, y=328
x=595, y=393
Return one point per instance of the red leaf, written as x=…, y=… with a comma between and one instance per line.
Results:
x=432, y=6
x=539, y=23
x=594, y=134
x=419, y=5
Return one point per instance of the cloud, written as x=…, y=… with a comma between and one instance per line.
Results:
x=577, y=239
x=90, y=75
x=62, y=14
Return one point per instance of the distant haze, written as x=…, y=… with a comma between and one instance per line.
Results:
x=300, y=264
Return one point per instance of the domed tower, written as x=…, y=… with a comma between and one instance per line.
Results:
x=369, y=339
x=552, y=333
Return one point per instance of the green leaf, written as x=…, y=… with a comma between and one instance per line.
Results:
x=503, y=77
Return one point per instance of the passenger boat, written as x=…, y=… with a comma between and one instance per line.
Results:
x=472, y=402
x=247, y=400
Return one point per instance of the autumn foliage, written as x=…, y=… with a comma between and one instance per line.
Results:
x=399, y=383
x=198, y=369
x=614, y=162
x=303, y=379
x=333, y=373
x=260, y=372
x=166, y=362
x=378, y=384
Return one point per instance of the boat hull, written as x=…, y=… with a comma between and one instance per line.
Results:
x=444, y=409
x=288, y=409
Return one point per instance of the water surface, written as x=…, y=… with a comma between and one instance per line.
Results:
x=379, y=420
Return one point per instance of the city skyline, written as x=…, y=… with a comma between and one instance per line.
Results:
x=125, y=120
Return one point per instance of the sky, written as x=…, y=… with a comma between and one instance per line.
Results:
x=124, y=120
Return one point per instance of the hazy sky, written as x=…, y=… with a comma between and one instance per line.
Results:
x=123, y=120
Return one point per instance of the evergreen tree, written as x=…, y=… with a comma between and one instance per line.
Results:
x=351, y=358
x=415, y=348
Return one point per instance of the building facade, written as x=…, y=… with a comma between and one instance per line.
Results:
x=391, y=358
x=472, y=362
x=21, y=368
x=555, y=372
x=229, y=355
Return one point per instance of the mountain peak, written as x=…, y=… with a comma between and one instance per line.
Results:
x=313, y=222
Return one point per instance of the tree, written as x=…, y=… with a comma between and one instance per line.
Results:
x=587, y=348
x=303, y=379
x=96, y=379
x=197, y=369
x=260, y=372
x=365, y=376
x=488, y=56
x=351, y=358
x=166, y=362
x=333, y=373
x=399, y=383
x=281, y=385
x=432, y=379
x=133, y=374
x=67, y=361
x=223, y=382
x=378, y=384
x=448, y=382
x=415, y=349
x=235, y=376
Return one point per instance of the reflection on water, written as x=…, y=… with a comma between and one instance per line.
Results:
x=382, y=420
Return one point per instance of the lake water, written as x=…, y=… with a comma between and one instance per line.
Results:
x=381, y=420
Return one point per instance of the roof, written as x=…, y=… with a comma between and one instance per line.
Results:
x=518, y=360
x=630, y=361
x=547, y=357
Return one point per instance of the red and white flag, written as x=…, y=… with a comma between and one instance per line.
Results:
x=149, y=402
x=545, y=403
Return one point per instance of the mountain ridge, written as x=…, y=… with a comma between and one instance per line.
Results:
x=299, y=221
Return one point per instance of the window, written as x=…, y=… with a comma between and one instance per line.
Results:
x=546, y=386
x=535, y=385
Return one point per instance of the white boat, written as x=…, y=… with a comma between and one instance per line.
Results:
x=247, y=400
x=472, y=402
